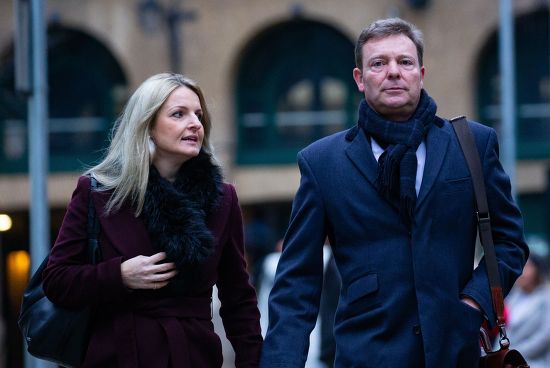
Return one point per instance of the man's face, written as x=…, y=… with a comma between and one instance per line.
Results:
x=392, y=77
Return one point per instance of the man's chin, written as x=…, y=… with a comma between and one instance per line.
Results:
x=396, y=112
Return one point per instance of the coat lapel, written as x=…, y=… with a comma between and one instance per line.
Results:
x=116, y=228
x=436, y=148
x=360, y=153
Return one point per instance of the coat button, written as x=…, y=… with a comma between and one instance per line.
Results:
x=416, y=329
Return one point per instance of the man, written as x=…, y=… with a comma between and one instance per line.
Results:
x=395, y=197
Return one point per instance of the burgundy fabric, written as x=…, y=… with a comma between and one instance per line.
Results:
x=148, y=328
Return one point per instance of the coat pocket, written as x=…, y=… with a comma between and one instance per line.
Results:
x=362, y=287
x=362, y=295
x=457, y=185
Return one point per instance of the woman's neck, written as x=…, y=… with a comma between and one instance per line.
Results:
x=168, y=170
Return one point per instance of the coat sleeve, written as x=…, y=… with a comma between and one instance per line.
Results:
x=69, y=279
x=507, y=228
x=294, y=299
x=239, y=310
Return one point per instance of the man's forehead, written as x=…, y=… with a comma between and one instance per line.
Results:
x=394, y=44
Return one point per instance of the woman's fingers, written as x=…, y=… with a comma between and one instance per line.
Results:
x=142, y=272
x=165, y=276
x=157, y=257
x=163, y=267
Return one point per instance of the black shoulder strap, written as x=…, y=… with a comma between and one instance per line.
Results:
x=93, y=226
x=467, y=143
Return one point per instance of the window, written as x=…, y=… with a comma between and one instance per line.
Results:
x=533, y=84
x=85, y=85
x=294, y=86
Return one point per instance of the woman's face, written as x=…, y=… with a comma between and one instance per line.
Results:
x=177, y=130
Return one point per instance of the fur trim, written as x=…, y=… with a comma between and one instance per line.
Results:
x=175, y=214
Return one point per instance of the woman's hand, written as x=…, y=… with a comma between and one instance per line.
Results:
x=143, y=272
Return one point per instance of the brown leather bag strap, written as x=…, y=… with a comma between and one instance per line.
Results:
x=467, y=143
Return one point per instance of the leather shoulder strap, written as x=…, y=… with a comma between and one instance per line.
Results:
x=94, y=254
x=469, y=148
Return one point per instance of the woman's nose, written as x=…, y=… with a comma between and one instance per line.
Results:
x=195, y=123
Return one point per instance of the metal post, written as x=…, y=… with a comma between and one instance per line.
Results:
x=508, y=91
x=38, y=141
x=174, y=49
x=152, y=13
x=36, y=79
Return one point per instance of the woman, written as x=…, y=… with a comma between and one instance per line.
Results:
x=528, y=325
x=170, y=230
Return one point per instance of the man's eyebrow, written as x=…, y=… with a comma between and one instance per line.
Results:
x=385, y=56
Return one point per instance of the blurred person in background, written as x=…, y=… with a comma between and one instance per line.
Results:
x=394, y=195
x=321, y=339
x=171, y=229
x=528, y=305
x=258, y=240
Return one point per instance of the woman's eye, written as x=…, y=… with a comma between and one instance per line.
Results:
x=177, y=114
x=199, y=116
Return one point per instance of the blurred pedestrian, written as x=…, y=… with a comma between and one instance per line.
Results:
x=321, y=347
x=528, y=325
x=259, y=239
x=171, y=229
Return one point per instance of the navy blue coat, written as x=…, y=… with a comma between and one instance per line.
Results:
x=400, y=299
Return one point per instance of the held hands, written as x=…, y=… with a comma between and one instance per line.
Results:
x=144, y=272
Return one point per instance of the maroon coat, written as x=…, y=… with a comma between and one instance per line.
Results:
x=154, y=328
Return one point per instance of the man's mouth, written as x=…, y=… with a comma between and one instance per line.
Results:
x=394, y=89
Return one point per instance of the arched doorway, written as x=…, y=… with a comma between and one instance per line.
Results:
x=86, y=85
x=294, y=85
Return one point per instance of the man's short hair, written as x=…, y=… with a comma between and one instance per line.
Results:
x=383, y=28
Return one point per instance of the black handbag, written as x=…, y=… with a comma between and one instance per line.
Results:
x=53, y=333
x=504, y=357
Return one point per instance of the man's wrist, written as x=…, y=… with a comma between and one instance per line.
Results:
x=471, y=302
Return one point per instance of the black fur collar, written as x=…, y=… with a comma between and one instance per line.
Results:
x=175, y=213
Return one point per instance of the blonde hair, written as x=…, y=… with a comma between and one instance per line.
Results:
x=125, y=167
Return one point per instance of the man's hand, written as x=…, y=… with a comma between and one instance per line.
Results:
x=472, y=303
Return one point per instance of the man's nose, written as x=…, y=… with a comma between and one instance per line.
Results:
x=393, y=69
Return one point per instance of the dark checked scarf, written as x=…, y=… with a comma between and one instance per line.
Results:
x=397, y=165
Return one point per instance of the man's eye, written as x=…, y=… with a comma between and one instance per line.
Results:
x=377, y=65
x=407, y=63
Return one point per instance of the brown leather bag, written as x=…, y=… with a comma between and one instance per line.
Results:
x=504, y=357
